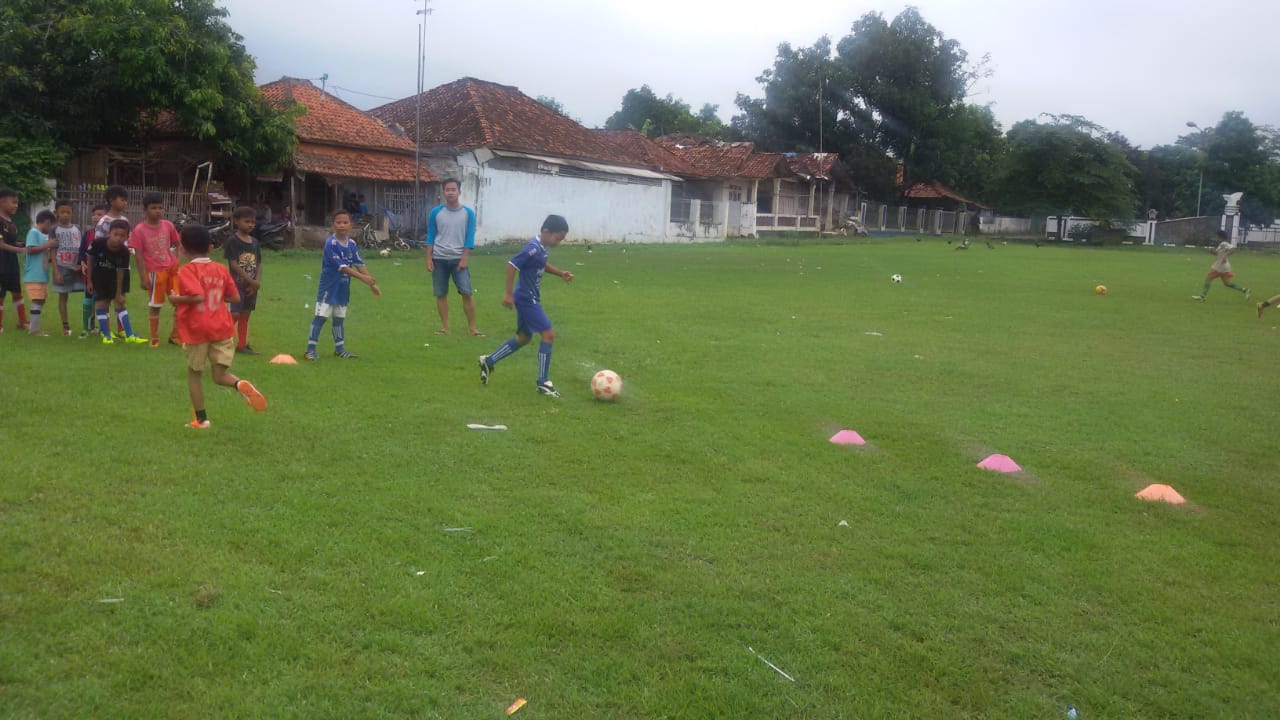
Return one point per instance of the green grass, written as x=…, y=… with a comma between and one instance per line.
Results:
x=621, y=558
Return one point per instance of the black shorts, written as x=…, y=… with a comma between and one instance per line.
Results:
x=248, y=303
x=104, y=284
x=10, y=284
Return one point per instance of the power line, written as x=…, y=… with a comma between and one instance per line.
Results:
x=357, y=92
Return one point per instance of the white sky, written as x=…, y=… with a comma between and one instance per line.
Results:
x=1139, y=67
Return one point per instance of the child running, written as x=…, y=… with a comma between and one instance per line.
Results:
x=526, y=298
x=341, y=263
x=67, y=275
x=204, y=324
x=1221, y=268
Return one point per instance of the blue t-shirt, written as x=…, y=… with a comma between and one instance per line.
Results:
x=530, y=261
x=337, y=256
x=34, y=271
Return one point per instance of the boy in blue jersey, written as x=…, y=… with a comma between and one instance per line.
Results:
x=451, y=235
x=526, y=298
x=341, y=263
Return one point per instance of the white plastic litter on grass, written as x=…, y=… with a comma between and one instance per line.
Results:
x=775, y=667
x=843, y=523
x=460, y=529
x=478, y=426
x=873, y=332
x=420, y=573
x=111, y=600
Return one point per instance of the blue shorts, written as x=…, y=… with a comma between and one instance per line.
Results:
x=248, y=303
x=531, y=320
x=446, y=269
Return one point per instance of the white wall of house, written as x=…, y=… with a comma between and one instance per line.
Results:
x=510, y=205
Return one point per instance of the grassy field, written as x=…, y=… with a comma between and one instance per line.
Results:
x=356, y=551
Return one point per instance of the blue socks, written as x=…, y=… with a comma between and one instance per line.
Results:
x=339, y=334
x=503, y=350
x=317, y=324
x=103, y=323
x=544, y=361
x=123, y=317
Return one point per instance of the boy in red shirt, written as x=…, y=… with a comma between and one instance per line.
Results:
x=204, y=324
x=154, y=242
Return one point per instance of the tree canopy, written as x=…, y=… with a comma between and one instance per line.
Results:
x=644, y=111
x=896, y=88
x=81, y=72
x=1065, y=165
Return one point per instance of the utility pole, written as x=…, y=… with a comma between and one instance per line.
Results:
x=1200, y=147
x=417, y=116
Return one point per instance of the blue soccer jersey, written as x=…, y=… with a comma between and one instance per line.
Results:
x=530, y=261
x=335, y=285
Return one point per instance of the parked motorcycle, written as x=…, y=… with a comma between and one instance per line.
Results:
x=270, y=235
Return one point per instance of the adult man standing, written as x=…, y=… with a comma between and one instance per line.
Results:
x=451, y=234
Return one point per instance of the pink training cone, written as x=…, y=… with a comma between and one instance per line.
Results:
x=1160, y=493
x=848, y=437
x=1000, y=463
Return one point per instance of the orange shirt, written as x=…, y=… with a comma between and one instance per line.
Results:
x=210, y=320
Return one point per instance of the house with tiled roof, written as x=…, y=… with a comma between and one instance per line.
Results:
x=519, y=161
x=764, y=191
x=935, y=195
x=342, y=152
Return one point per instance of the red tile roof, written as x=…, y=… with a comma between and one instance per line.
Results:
x=935, y=190
x=339, y=140
x=816, y=165
x=725, y=160
x=467, y=114
x=649, y=153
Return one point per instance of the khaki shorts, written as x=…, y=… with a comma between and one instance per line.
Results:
x=37, y=291
x=219, y=352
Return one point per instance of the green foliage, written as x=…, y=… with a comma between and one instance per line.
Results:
x=1063, y=167
x=120, y=71
x=621, y=557
x=644, y=111
x=892, y=88
x=24, y=165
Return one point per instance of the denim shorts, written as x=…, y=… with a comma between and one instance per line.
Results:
x=446, y=269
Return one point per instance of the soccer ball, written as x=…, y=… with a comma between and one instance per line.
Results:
x=896, y=278
x=1101, y=290
x=385, y=252
x=606, y=385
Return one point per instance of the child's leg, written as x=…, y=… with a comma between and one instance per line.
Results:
x=86, y=312
x=223, y=376
x=242, y=329
x=22, y=310
x=195, y=386
x=37, y=308
x=511, y=345
x=1229, y=282
x=104, y=325
x=122, y=317
x=62, y=313
x=153, y=322
x=547, y=337
x=317, y=324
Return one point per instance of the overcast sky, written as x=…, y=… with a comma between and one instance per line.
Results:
x=1142, y=68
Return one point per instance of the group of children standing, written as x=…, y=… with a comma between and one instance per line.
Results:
x=97, y=263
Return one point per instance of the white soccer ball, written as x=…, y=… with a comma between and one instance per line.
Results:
x=896, y=278
x=606, y=385
x=385, y=252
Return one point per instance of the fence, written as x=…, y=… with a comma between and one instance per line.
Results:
x=1260, y=235
x=1185, y=231
x=176, y=202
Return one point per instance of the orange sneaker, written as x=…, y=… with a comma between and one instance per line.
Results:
x=197, y=425
x=251, y=395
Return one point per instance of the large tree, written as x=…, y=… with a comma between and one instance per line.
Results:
x=644, y=111
x=81, y=72
x=1066, y=165
x=897, y=87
